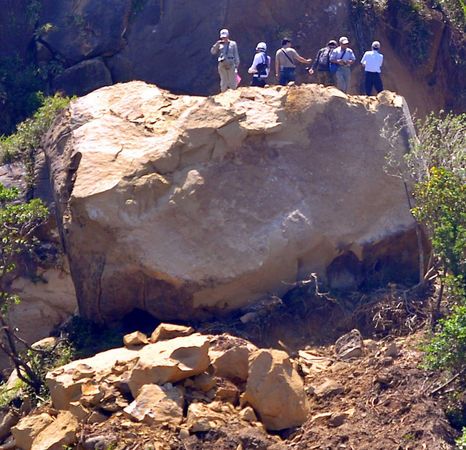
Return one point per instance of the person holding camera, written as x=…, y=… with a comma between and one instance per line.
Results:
x=344, y=58
x=228, y=60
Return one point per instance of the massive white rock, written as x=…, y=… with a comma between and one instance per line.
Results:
x=183, y=206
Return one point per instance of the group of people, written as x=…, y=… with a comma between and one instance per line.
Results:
x=332, y=65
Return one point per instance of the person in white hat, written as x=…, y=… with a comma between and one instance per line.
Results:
x=228, y=60
x=372, y=62
x=260, y=67
x=342, y=58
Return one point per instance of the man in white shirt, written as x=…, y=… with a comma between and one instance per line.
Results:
x=372, y=63
x=343, y=57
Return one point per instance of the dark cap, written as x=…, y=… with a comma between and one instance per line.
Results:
x=285, y=41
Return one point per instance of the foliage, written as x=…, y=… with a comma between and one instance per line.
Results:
x=441, y=205
x=137, y=6
x=33, y=8
x=42, y=361
x=88, y=338
x=27, y=138
x=7, y=394
x=447, y=349
x=437, y=164
x=455, y=10
x=18, y=222
x=23, y=144
x=19, y=86
x=441, y=142
x=461, y=442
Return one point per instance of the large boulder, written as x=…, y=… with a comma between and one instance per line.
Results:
x=183, y=206
x=275, y=390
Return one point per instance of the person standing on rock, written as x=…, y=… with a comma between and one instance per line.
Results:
x=285, y=62
x=372, y=62
x=344, y=58
x=260, y=67
x=228, y=60
x=322, y=64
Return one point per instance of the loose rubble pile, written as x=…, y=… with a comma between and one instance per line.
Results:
x=180, y=389
x=177, y=379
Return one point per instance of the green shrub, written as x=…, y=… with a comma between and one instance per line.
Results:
x=19, y=86
x=461, y=442
x=29, y=133
x=447, y=349
x=441, y=205
x=88, y=338
x=18, y=222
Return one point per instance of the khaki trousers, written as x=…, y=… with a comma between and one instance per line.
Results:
x=227, y=77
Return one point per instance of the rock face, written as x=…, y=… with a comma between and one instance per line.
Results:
x=184, y=205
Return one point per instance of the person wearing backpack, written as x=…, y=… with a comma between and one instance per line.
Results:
x=372, y=63
x=228, y=60
x=322, y=64
x=260, y=67
x=342, y=58
x=285, y=62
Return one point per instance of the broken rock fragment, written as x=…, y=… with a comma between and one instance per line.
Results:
x=275, y=390
x=157, y=405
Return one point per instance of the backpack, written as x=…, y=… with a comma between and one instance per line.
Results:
x=324, y=60
x=263, y=66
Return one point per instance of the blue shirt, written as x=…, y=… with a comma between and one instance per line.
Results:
x=348, y=56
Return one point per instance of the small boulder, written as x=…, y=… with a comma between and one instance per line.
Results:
x=169, y=331
x=350, y=345
x=204, y=382
x=202, y=417
x=59, y=433
x=28, y=428
x=227, y=391
x=229, y=356
x=157, y=405
x=248, y=414
x=170, y=361
x=275, y=390
x=135, y=339
x=391, y=350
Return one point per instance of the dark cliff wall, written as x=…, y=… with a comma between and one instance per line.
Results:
x=80, y=45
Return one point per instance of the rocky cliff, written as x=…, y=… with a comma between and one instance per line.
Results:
x=183, y=206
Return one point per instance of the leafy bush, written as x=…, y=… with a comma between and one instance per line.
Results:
x=18, y=221
x=441, y=205
x=43, y=360
x=19, y=86
x=88, y=338
x=447, y=349
x=461, y=442
x=22, y=144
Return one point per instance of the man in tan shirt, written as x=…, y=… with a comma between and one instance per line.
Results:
x=285, y=62
x=228, y=60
